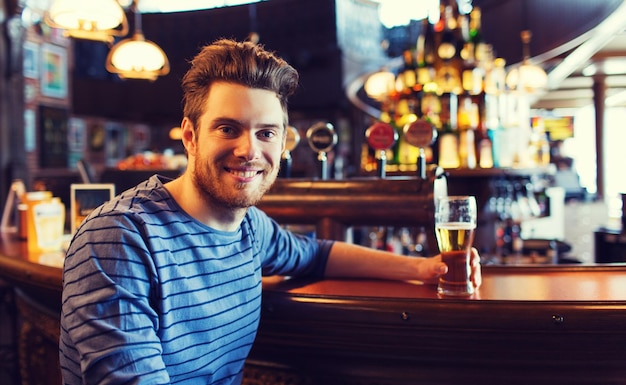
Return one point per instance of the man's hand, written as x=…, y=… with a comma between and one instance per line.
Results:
x=431, y=269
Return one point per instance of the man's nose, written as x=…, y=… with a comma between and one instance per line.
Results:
x=247, y=147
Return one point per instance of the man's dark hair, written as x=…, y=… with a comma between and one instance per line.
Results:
x=244, y=63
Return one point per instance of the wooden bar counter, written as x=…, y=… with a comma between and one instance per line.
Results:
x=548, y=325
x=526, y=324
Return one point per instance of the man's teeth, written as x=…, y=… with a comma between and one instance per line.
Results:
x=244, y=174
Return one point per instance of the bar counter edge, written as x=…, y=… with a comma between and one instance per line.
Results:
x=383, y=332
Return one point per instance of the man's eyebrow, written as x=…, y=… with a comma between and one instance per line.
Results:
x=225, y=120
x=231, y=121
x=270, y=125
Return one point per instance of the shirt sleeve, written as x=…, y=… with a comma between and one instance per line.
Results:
x=107, y=319
x=287, y=253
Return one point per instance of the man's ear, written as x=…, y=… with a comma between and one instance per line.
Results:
x=188, y=135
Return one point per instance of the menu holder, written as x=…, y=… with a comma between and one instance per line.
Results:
x=420, y=134
x=85, y=197
x=381, y=137
x=322, y=138
x=10, y=214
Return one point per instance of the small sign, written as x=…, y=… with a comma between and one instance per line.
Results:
x=419, y=133
x=322, y=137
x=559, y=128
x=381, y=136
x=85, y=197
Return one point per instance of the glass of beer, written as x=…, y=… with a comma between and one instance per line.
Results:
x=455, y=223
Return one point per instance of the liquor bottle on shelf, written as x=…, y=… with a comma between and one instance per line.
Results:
x=448, y=139
x=448, y=62
x=431, y=110
x=468, y=121
x=476, y=35
x=426, y=54
x=421, y=243
x=408, y=73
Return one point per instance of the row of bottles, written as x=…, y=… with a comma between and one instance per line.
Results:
x=452, y=80
x=513, y=201
x=410, y=241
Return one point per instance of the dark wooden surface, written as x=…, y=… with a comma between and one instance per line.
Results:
x=534, y=324
x=541, y=325
x=335, y=205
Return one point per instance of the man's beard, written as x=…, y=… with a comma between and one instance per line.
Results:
x=216, y=193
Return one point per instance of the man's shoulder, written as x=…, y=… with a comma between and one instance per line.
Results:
x=149, y=198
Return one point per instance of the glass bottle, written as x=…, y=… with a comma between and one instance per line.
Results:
x=448, y=136
x=448, y=62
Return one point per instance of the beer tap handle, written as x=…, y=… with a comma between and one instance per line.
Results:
x=291, y=141
x=420, y=134
x=382, y=163
x=421, y=164
x=322, y=138
x=381, y=137
x=286, y=162
x=323, y=160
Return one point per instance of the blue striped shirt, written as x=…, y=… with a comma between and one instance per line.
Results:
x=152, y=296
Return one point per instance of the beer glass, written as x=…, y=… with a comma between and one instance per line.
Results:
x=455, y=223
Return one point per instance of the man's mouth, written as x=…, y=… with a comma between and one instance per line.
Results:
x=244, y=174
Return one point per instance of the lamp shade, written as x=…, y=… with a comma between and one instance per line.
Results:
x=528, y=77
x=137, y=58
x=379, y=84
x=93, y=19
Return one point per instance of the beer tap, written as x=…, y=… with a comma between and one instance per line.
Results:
x=381, y=137
x=292, y=140
x=420, y=134
x=322, y=138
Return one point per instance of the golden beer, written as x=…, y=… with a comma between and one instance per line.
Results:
x=455, y=224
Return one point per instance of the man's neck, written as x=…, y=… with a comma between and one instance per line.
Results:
x=195, y=204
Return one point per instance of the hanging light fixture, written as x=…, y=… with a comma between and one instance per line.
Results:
x=136, y=57
x=528, y=77
x=380, y=84
x=100, y=20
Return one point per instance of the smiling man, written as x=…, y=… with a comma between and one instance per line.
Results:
x=162, y=285
x=234, y=153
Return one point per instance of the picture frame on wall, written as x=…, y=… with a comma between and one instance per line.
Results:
x=30, y=66
x=52, y=136
x=53, y=71
x=77, y=136
x=115, y=143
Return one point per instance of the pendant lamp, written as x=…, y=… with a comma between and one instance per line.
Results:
x=136, y=57
x=528, y=77
x=100, y=20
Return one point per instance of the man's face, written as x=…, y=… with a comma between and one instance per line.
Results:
x=239, y=141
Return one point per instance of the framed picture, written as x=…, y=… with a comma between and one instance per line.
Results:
x=53, y=71
x=53, y=145
x=30, y=67
x=30, y=129
x=85, y=197
x=115, y=143
x=77, y=136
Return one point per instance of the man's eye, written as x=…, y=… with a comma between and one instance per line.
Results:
x=267, y=134
x=227, y=130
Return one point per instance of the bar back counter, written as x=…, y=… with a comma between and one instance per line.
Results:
x=548, y=324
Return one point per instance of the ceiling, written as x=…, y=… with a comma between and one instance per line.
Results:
x=594, y=38
x=576, y=90
x=602, y=46
x=568, y=36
